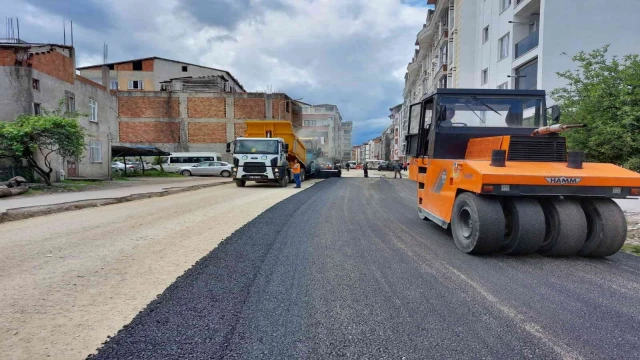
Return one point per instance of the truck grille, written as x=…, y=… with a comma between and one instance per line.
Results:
x=540, y=149
x=254, y=168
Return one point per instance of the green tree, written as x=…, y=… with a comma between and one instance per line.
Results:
x=604, y=94
x=36, y=138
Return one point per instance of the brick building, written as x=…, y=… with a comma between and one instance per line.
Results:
x=194, y=114
x=35, y=77
x=148, y=74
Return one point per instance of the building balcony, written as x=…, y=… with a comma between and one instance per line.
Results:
x=526, y=7
x=527, y=44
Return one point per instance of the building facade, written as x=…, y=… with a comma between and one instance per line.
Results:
x=324, y=122
x=512, y=44
x=148, y=74
x=39, y=77
x=396, y=152
x=346, y=132
x=188, y=118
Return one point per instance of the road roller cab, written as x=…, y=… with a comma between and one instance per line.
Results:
x=489, y=165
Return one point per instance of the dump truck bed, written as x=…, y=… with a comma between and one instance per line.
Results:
x=279, y=129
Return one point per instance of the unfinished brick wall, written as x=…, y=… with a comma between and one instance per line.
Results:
x=124, y=67
x=279, y=110
x=149, y=132
x=206, y=107
x=239, y=129
x=55, y=64
x=148, y=107
x=7, y=57
x=208, y=132
x=147, y=65
x=249, y=108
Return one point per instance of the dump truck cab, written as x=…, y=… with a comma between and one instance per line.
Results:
x=489, y=166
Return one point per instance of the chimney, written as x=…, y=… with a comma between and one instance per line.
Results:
x=105, y=76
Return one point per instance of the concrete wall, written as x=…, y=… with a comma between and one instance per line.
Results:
x=15, y=95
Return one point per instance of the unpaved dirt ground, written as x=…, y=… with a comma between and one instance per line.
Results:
x=70, y=280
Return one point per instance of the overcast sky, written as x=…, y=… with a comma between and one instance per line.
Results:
x=352, y=53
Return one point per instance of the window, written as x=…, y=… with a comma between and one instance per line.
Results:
x=527, y=76
x=36, y=109
x=504, y=85
x=111, y=66
x=442, y=84
x=185, y=68
x=503, y=45
x=137, y=65
x=309, y=123
x=114, y=85
x=95, y=151
x=288, y=106
x=485, y=76
x=136, y=84
x=490, y=111
x=71, y=101
x=35, y=83
x=485, y=34
x=93, y=106
x=504, y=4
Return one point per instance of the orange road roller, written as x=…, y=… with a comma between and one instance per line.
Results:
x=495, y=170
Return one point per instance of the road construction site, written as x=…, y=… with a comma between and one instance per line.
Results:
x=341, y=268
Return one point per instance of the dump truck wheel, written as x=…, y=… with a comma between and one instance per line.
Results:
x=566, y=227
x=282, y=182
x=606, y=230
x=240, y=183
x=477, y=224
x=525, y=226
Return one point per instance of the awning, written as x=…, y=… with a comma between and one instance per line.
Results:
x=128, y=151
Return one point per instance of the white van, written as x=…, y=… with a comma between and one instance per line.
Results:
x=175, y=161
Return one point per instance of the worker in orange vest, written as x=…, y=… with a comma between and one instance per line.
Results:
x=296, y=173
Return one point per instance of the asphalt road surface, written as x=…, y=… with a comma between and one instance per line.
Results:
x=346, y=269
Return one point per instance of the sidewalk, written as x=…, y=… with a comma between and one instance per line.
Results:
x=82, y=196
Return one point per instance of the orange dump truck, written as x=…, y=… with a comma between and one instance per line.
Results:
x=265, y=152
x=488, y=165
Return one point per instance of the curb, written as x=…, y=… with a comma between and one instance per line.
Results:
x=35, y=211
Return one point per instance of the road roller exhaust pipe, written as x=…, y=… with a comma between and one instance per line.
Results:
x=556, y=129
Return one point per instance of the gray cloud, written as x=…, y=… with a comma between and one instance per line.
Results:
x=228, y=13
x=86, y=13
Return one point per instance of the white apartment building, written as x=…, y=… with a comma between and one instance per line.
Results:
x=346, y=131
x=515, y=44
x=397, y=152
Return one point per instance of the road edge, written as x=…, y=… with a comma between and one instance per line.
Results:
x=36, y=211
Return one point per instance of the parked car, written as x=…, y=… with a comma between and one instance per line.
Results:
x=116, y=165
x=385, y=166
x=176, y=161
x=216, y=168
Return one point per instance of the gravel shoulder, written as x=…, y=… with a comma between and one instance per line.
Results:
x=70, y=280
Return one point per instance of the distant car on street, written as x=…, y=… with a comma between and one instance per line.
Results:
x=385, y=166
x=207, y=168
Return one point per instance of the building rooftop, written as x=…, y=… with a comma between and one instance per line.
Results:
x=165, y=59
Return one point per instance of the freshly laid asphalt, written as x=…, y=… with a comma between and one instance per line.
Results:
x=346, y=269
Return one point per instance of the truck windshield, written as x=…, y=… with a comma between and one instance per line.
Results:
x=256, y=147
x=490, y=111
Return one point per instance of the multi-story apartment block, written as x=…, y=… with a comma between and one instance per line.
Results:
x=513, y=44
x=346, y=129
x=148, y=74
x=398, y=142
x=39, y=77
x=324, y=123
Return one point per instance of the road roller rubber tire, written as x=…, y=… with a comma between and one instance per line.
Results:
x=607, y=228
x=525, y=226
x=566, y=227
x=477, y=224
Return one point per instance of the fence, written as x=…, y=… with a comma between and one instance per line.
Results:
x=9, y=172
